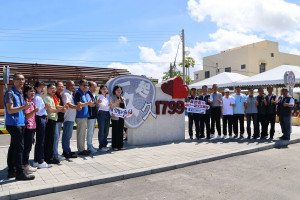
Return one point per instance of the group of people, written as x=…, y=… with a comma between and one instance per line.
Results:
x=34, y=117
x=261, y=110
x=30, y=119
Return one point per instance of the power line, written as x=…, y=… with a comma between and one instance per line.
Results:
x=92, y=61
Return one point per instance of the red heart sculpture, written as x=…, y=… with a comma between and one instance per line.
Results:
x=175, y=88
x=167, y=87
x=180, y=91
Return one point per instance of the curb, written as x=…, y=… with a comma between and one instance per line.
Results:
x=3, y=131
x=102, y=179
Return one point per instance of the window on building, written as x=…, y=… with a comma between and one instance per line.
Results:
x=207, y=74
x=243, y=66
x=196, y=76
x=262, y=67
x=272, y=54
x=227, y=69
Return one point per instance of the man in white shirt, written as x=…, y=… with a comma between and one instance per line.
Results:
x=227, y=112
x=69, y=119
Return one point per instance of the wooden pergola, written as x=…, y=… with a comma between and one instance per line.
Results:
x=49, y=73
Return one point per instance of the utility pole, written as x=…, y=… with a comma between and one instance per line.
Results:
x=183, y=56
x=171, y=70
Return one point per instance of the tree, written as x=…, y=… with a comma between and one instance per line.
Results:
x=175, y=74
x=189, y=62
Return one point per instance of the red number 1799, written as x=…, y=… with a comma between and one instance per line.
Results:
x=174, y=107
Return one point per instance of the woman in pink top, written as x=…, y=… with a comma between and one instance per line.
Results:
x=30, y=127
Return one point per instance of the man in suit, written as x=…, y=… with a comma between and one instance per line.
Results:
x=193, y=117
x=285, y=104
x=205, y=117
x=271, y=111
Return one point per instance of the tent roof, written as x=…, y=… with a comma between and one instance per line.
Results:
x=270, y=77
x=220, y=79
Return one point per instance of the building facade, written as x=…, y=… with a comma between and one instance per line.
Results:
x=247, y=60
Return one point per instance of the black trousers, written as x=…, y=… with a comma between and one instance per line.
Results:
x=215, y=119
x=236, y=119
x=28, y=141
x=271, y=120
x=262, y=119
x=255, y=124
x=117, y=133
x=49, y=139
x=285, y=123
x=194, y=118
x=227, y=120
x=205, y=119
x=40, y=139
x=15, y=150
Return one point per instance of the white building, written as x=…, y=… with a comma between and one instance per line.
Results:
x=247, y=60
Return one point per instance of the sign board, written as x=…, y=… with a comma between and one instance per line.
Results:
x=291, y=79
x=196, y=106
x=120, y=112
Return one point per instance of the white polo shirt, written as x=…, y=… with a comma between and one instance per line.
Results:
x=70, y=114
x=227, y=108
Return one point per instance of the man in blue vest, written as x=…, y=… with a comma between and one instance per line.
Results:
x=82, y=116
x=284, y=110
x=15, y=105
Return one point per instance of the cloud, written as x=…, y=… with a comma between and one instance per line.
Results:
x=154, y=63
x=275, y=18
x=147, y=69
x=223, y=40
x=294, y=51
x=123, y=40
x=245, y=16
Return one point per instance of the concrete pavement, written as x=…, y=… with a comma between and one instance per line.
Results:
x=133, y=162
x=271, y=174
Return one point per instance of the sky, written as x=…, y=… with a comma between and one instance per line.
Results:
x=138, y=35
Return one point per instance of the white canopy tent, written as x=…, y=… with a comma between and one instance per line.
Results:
x=272, y=77
x=220, y=79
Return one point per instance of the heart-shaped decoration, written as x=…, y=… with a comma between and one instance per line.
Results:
x=167, y=87
x=180, y=91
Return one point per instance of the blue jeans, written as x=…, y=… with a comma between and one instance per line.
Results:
x=103, y=125
x=90, y=132
x=66, y=136
x=56, y=139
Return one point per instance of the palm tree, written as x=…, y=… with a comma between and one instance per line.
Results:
x=189, y=62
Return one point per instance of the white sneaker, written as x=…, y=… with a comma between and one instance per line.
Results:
x=225, y=136
x=44, y=165
x=218, y=137
x=230, y=137
x=35, y=164
x=29, y=169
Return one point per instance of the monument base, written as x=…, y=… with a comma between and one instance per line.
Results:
x=165, y=128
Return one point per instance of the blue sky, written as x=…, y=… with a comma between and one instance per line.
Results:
x=141, y=36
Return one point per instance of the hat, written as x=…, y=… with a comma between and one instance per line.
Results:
x=226, y=90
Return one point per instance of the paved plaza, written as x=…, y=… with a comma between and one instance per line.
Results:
x=132, y=162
